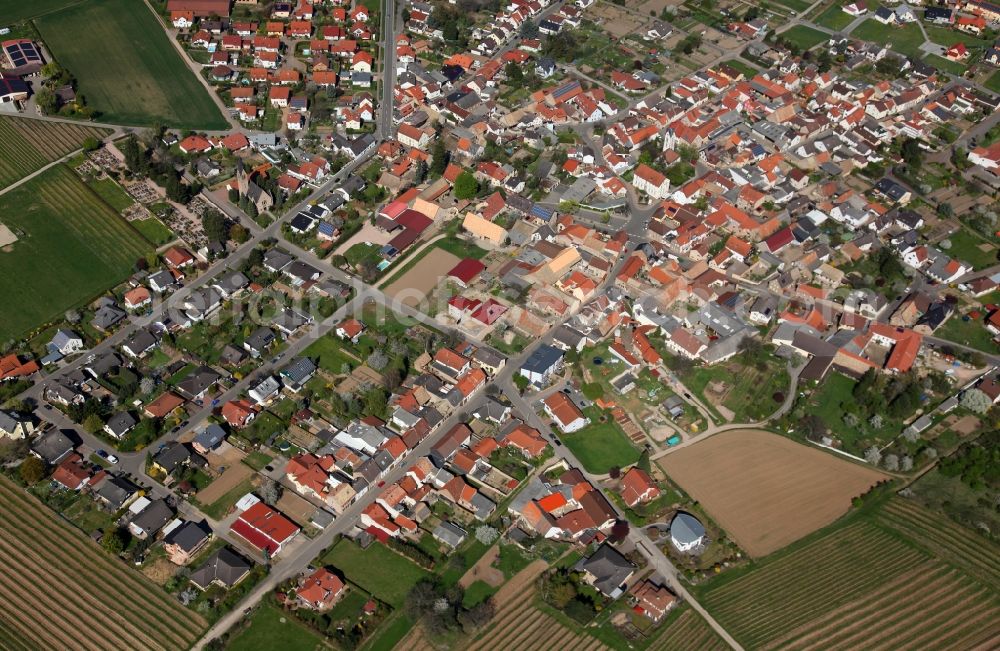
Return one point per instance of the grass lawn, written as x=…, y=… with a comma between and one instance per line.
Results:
x=154, y=230
x=941, y=63
x=270, y=628
x=805, y=37
x=965, y=245
x=332, y=354
x=263, y=426
x=948, y=37
x=748, y=70
x=599, y=446
x=905, y=40
x=834, y=18
x=112, y=193
x=390, y=633
x=477, y=593
x=970, y=333
x=360, y=252
x=993, y=83
x=511, y=560
x=71, y=247
x=378, y=569
x=127, y=67
x=257, y=459
x=827, y=402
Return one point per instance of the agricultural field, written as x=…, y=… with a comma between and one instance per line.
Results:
x=687, y=630
x=767, y=491
x=71, y=246
x=127, y=67
x=29, y=145
x=888, y=577
x=102, y=604
x=15, y=11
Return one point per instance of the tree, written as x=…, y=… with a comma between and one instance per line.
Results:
x=562, y=46
x=476, y=618
x=750, y=348
x=514, y=74
x=90, y=143
x=875, y=421
x=378, y=360
x=31, y=470
x=47, y=101
x=255, y=258
x=912, y=153
x=375, y=401
x=439, y=157
x=814, y=427
x=113, y=541
x=72, y=316
x=214, y=225
x=619, y=531
x=906, y=463
x=521, y=383
x=234, y=196
x=976, y=401
x=873, y=455
x=891, y=462
x=270, y=491
x=466, y=185
x=238, y=233
x=93, y=423
x=135, y=156
x=146, y=385
x=529, y=29
x=487, y=534
x=175, y=189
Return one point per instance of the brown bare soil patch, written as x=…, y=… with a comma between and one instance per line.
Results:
x=296, y=507
x=159, y=571
x=226, y=482
x=483, y=570
x=766, y=490
x=417, y=283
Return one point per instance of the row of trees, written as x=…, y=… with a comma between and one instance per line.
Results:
x=440, y=609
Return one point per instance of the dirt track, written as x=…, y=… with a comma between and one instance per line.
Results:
x=765, y=490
